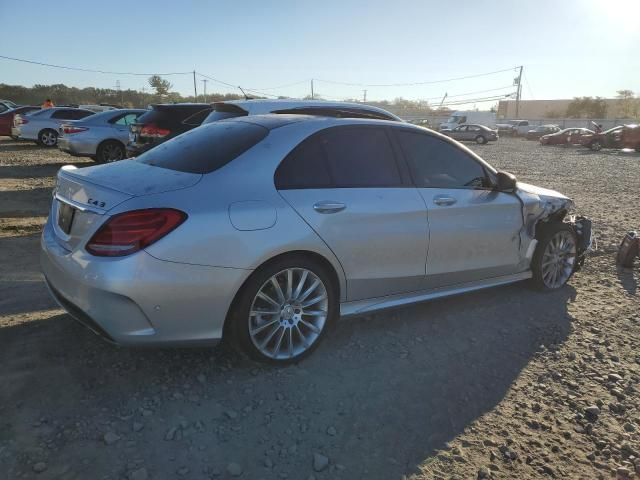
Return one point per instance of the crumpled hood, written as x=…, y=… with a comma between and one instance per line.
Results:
x=539, y=191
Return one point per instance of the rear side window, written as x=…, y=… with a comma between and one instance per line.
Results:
x=205, y=149
x=435, y=163
x=63, y=114
x=305, y=167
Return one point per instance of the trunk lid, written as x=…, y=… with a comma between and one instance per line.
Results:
x=83, y=196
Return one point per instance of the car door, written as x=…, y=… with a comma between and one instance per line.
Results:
x=474, y=230
x=347, y=184
x=121, y=125
x=461, y=133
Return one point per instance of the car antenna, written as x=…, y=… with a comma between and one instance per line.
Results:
x=246, y=97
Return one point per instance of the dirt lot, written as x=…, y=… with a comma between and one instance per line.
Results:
x=504, y=383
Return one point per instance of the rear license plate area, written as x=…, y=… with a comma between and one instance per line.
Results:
x=65, y=217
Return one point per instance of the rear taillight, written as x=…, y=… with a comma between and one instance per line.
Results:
x=154, y=131
x=129, y=232
x=69, y=129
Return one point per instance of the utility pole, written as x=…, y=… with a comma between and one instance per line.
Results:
x=312, y=89
x=204, y=81
x=364, y=96
x=195, y=89
x=518, y=82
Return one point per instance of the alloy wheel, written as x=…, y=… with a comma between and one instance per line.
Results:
x=558, y=259
x=112, y=152
x=288, y=313
x=48, y=138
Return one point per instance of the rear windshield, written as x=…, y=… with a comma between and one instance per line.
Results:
x=223, y=110
x=169, y=116
x=206, y=148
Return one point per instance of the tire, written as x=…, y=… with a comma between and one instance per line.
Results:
x=13, y=137
x=48, y=138
x=110, y=151
x=596, y=146
x=555, y=258
x=283, y=333
x=481, y=140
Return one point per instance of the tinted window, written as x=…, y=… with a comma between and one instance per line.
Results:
x=360, y=157
x=304, y=167
x=435, y=163
x=64, y=114
x=205, y=149
x=127, y=119
x=78, y=114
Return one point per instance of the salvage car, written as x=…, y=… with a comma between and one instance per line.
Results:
x=42, y=125
x=102, y=137
x=265, y=229
x=476, y=133
x=568, y=136
x=7, y=117
x=541, y=130
x=607, y=139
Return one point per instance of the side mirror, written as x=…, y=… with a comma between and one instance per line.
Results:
x=506, y=182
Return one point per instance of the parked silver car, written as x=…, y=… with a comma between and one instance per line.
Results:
x=265, y=229
x=475, y=133
x=102, y=136
x=42, y=125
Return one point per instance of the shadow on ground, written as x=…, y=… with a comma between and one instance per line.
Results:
x=395, y=387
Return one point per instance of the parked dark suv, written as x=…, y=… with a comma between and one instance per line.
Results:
x=159, y=124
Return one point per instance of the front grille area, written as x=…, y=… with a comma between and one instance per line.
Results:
x=79, y=315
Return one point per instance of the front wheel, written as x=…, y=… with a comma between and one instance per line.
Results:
x=48, y=138
x=554, y=259
x=481, y=140
x=284, y=310
x=595, y=146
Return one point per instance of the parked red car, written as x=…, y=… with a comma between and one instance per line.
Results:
x=568, y=136
x=6, y=118
x=607, y=139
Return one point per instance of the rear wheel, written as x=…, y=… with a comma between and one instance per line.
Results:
x=48, y=138
x=284, y=310
x=110, y=151
x=481, y=140
x=554, y=259
x=596, y=146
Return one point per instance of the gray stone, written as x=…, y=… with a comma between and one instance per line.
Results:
x=614, y=377
x=268, y=462
x=182, y=471
x=234, y=469
x=202, y=378
x=110, y=438
x=592, y=411
x=320, y=462
x=137, y=426
x=231, y=414
x=39, y=467
x=139, y=474
x=331, y=431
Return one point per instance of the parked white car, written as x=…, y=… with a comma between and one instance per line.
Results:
x=42, y=125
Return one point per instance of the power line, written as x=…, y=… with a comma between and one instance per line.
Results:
x=430, y=82
x=478, y=100
x=526, y=82
x=470, y=93
x=78, y=69
x=285, y=86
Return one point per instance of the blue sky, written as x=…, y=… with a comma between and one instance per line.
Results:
x=568, y=48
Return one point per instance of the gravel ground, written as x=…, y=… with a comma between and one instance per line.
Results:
x=504, y=383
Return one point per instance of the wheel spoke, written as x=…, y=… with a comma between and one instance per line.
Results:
x=314, y=313
x=278, y=290
x=302, y=337
x=255, y=331
x=268, y=299
x=310, y=326
x=268, y=338
x=276, y=349
x=314, y=300
x=290, y=342
x=308, y=291
x=301, y=282
x=289, y=283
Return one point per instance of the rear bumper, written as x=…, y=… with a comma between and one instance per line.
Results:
x=77, y=147
x=140, y=300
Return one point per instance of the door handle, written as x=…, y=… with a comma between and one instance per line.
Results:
x=444, y=201
x=329, y=207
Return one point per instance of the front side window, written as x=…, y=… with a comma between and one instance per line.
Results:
x=435, y=163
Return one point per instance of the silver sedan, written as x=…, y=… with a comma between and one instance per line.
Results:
x=42, y=125
x=265, y=229
x=102, y=136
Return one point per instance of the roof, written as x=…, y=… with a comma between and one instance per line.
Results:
x=264, y=106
